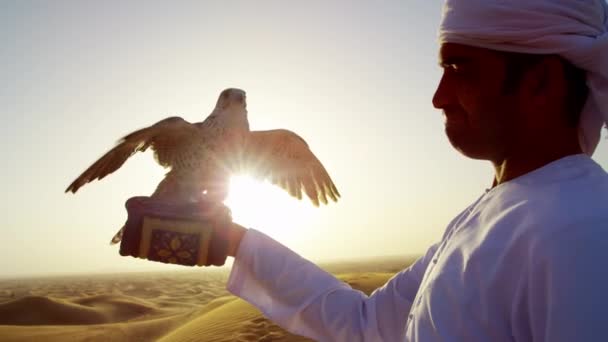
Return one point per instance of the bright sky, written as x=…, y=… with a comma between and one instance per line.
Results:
x=354, y=78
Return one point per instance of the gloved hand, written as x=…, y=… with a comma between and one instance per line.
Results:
x=200, y=233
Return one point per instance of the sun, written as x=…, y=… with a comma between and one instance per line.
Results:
x=268, y=208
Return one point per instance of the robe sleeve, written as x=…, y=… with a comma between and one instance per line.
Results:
x=305, y=300
x=567, y=294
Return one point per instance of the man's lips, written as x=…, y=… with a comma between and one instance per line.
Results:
x=453, y=117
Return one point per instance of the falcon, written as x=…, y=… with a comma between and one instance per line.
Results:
x=202, y=156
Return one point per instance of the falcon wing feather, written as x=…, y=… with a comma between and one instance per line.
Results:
x=285, y=159
x=171, y=139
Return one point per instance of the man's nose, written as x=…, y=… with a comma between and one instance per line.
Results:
x=442, y=95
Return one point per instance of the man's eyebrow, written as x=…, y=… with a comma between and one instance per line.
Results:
x=443, y=62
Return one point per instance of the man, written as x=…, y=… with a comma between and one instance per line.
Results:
x=525, y=86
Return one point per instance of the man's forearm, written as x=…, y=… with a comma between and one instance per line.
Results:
x=306, y=300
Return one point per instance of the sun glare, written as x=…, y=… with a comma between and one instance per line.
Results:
x=268, y=208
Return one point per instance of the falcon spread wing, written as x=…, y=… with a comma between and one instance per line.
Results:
x=171, y=139
x=285, y=159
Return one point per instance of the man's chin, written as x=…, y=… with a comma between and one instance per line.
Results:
x=466, y=146
x=457, y=135
x=472, y=154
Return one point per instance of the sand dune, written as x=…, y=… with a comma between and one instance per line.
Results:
x=236, y=320
x=36, y=310
x=192, y=305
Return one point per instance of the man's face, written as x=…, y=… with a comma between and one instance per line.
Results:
x=480, y=117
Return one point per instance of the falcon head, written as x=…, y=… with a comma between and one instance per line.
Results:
x=232, y=97
x=231, y=111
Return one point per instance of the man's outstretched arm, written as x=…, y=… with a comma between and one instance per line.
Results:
x=305, y=300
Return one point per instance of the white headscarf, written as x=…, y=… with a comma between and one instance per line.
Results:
x=574, y=29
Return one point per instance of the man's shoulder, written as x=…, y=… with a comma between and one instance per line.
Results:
x=537, y=217
x=557, y=228
x=555, y=205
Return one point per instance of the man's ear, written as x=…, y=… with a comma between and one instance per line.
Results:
x=544, y=83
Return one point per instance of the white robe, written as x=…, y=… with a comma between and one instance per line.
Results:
x=525, y=262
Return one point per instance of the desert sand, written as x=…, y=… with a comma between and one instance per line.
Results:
x=189, y=305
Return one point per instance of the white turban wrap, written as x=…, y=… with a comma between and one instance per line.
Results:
x=574, y=29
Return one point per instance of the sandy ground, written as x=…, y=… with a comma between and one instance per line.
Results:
x=189, y=305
